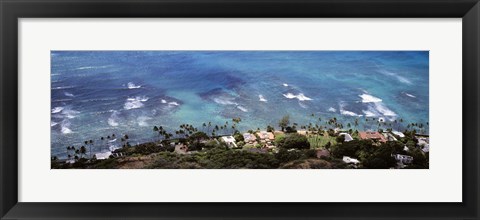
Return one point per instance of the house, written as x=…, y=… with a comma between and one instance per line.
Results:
x=403, y=159
x=389, y=137
x=103, y=156
x=424, y=143
x=372, y=135
x=181, y=149
x=426, y=148
x=398, y=133
x=347, y=136
x=302, y=132
x=350, y=160
x=249, y=138
x=266, y=136
x=230, y=141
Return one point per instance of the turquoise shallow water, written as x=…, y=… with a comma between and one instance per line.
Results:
x=98, y=93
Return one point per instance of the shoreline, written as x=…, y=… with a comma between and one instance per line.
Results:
x=264, y=142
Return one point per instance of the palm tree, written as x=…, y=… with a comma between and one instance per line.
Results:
x=91, y=145
x=102, y=143
x=83, y=151
x=77, y=151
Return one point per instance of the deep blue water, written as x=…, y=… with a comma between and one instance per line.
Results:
x=97, y=93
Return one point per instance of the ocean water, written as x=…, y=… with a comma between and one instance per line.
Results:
x=99, y=93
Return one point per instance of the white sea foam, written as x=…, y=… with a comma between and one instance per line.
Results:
x=302, y=105
x=300, y=97
x=224, y=101
x=53, y=123
x=65, y=127
x=92, y=67
x=384, y=110
x=57, y=110
x=286, y=85
x=369, y=113
x=69, y=113
x=410, y=95
x=243, y=109
x=132, y=85
x=349, y=113
x=378, y=109
x=66, y=130
x=396, y=76
x=366, y=98
x=133, y=103
x=164, y=101
x=62, y=87
x=261, y=98
x=332, y=109
x=112, y=120
x=142, y=121
x=346, y=112
x=173, y=103
x=69, y=94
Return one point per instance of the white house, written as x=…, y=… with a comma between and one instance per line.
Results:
x=389, y=137
x=424, y=143
x=347, y=136
x=398, y=133
x=103, y=156
x=229, y=140
x=181, y=149
x=404, y=159
x=350, y=160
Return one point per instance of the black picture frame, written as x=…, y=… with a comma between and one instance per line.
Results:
x=12, y=10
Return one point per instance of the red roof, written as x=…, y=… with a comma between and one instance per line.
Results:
x=371, y=135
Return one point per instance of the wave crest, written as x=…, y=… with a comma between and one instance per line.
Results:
x=132, y=85
x=133, y=103
x=300, y=97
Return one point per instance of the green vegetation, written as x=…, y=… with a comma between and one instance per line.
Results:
x=292, y=141
x=319, y=141
x=203, y=149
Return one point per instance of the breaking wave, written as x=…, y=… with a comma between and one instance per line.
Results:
x=261, y=98
x=113, y=119
x=300, y=97
x=410, y=95
x=57, y=110
x=366, y=98
x=65, y=127
x=133, y=103
x=243, y=109
x=131, y=85
x=224, y=101
x=346, y=112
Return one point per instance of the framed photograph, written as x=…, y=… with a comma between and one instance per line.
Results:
x=226, y=109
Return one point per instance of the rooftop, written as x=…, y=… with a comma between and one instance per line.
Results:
x=371, y=135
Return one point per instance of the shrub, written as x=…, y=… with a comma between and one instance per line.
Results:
x=293, y=141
